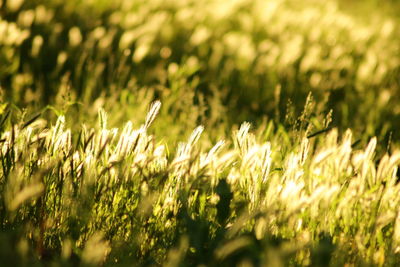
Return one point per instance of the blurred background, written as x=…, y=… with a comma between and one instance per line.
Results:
x=211, y=62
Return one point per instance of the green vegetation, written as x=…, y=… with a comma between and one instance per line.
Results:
x=186, y=133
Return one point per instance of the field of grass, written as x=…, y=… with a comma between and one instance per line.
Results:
x=199, y=133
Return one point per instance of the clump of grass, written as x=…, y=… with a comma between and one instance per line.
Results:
x=100, y=196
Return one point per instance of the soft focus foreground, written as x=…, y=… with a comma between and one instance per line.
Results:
x=87, y=178
x=110, y=195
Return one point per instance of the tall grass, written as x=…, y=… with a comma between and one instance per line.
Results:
x=101, y=195
x=249, y=160
x=261, y=55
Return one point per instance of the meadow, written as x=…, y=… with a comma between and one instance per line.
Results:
x=199, y=133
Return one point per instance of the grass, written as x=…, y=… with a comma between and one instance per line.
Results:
x=248, y=133
x=107, y=196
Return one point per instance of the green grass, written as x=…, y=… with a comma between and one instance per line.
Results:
x=186, y=133
x=106, y=196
